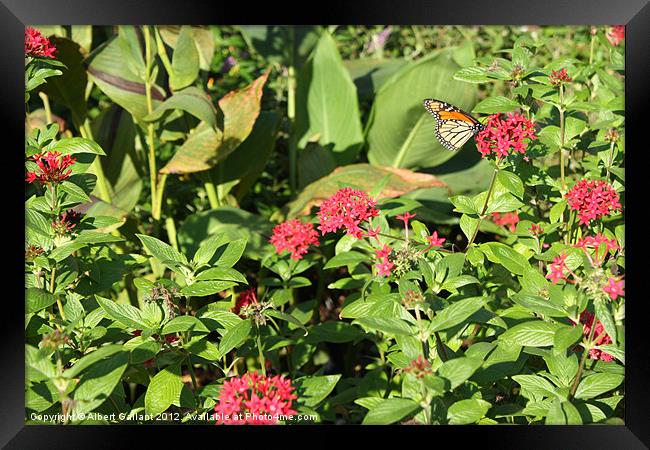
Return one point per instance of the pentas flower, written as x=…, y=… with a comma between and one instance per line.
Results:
x=37, y=45
x=557, y=269
x=600, y=336
x=51, y=168
x=419, y=367
x=509, y=220
x=67, y=222
x=611, y=135
x=247, y=297
x=559, y=77
x=536, y=230
x=373, y=233
x=384, y=252
x=614, y=288
x=347, y=208
x=385, y=267
x=504, y=135
x=616, y=34
x=405, y=218
x=593, y=199
x=590, y=243
x=33, y=251
x=434, y=241
x=294, y=236
x=253, y=399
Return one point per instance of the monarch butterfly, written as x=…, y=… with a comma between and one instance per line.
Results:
x=454, y=127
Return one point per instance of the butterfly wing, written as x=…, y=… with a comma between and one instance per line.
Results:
x=454, y=127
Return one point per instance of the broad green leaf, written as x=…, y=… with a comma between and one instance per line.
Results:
x=456, y=313
x=184, y=323
x=511, y=182
x=222, y=274
x=390, y=325
x=535, y=387
x=336, y=332
x=401, y=132
x=125, y=314
x=208, y=287
x=164, y=390
x=235, y=336
x=160, y=250
x=206, y=147
x=98, y=382
x=313, y=389
x=185, y=60
x=458, y=370
x=539, y=305
x=598, y=383
x=349, y=259
x=467, y=411
x=534, y=333
x=502, y=254
x=389, y=411
x=563, y=412
x=37, y=299
x=496, y=104
x=326, y=104
x=192, y=100
x=91, y=358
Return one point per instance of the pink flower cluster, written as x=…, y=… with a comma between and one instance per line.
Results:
x=557, y=269
x=587, y=319
x=37, y=45
x=616, y=34
x=51, y=168
x=295, y=237
x=504, y=135
x=510, y=220
x=614, y=288
x=559, y=77
x=592, y=199
x=347, y=208
x=67, y=222
x=590, y=243
x=384, y=267
x=254, y=399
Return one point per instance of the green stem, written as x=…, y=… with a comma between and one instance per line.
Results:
x=561, y=109
x=46, y=106
x=163, y=55
x=150, y=126
x=611, y=157
x=291, y=114
x=587, y=347
x=170, y=225
x=98, y=170
x=259, y=347
x=485, y=206
x=425, y=343
x=210, y=189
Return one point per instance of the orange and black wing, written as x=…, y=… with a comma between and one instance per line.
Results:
x=454, y=127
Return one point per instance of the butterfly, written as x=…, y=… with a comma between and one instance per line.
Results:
x=454, y=127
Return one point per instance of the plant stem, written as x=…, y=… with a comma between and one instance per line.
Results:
x=561, y=109
x=291, y=114
x=150, y=126
x=210, y=189
x=485, y=205
x=170, y=225
x=46, y=106
x=191, y=369
x=425, y=343
x=441, y=348
x=611, y=157
x=102, y=183
x=259, y=347
x=587, y=347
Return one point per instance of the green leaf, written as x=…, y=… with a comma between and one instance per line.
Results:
x=502, y=254
x=495, y=104
x=164, y=390
x=555, y=215
x=326, y=104
x=539, y=305
x=205, y=147
x=336, y=332
x=468, y=225
x=605, y=317
x=389, y=411
x=192, y=100
x=598, y=383
x=222, y=274
x=235, y=336
x=534, y=333
x=161, y=251
x=511, y=182
x=456, y=313
x=228, y=255
x=204, y=288
x=467, y=411
x=75, y=193
x=350, y=259
x=534, y=387
x=185, y=60
x=313, y=389
x=98, y=382
x=125, y=314
x=472, y=75
x=388, y=325
x=91, y=358
x=566, y=336
x=401, y=132
x=184, y=323
x=563, y=412
x=458, y=370
x=37, y=299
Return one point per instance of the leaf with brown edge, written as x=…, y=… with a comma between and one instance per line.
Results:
x=206, y=146
x=365, y=177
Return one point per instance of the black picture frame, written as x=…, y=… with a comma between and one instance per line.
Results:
x=635, y=14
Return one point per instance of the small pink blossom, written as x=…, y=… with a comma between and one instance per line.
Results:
x=295, y=237
x=614, y=288
x=347, y=208
x=504, y=135
x=593, y=199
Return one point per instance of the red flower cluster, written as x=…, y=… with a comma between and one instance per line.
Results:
x=346, y=209
x=611, y=135
x=37, y=45
x=557, y=269
x=589, y=243
x=385, y=266
x=245, y=298
x=255, y=399
x=592, y=199
x=51, y=168
x=587, y=319
x=294, y=236
x=419, y=367
x=616, y=34
x=614, y=288
x=559, y=77
x=510, y=220
x=536, y=230
x=504, y=135
x=66, y=223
